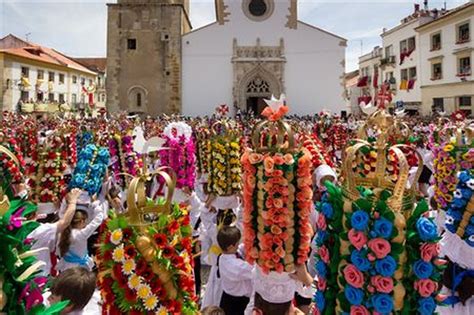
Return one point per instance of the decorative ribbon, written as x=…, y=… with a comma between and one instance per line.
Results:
x=74, y=258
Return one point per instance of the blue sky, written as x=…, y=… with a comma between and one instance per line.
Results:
x=78, y=28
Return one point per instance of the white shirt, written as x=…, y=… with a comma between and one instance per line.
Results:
x=44, y=237
x=275, y=287
x=79, y=239
x=236, y=275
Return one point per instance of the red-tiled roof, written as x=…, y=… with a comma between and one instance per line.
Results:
x=43, y=54
x=95, y=64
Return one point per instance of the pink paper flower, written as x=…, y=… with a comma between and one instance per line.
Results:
x=324, y=254
x=425, y=287
x=429, y=251
x=357, y=239
x=379, y=247
x=382, y=284
x=353, y=276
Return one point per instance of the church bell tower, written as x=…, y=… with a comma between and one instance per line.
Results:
x=144, y=55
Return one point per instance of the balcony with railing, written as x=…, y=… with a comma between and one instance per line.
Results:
x=390, y=60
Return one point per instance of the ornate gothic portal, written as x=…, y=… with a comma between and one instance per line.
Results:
x=258, y=73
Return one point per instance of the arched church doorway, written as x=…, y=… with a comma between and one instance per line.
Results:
x=257, y=91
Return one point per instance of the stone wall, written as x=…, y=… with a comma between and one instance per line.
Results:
x=153, y=69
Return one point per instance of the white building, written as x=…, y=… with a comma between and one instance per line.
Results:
x=446, y=54
x=41, y=76
x=370, y=76
x=259, y=48
x=401, y=58
x=352, y=92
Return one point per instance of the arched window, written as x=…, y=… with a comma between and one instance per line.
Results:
x=139, y=99
x=258, y=86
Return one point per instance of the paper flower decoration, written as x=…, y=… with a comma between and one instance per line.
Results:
x=90, y=169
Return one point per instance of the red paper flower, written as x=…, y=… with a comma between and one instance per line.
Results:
x=160, y=240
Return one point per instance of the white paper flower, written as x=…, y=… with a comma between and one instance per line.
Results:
x=150, y=302
x=134, y=281
x=118, y=255
x=128, y=266
x=143, y=291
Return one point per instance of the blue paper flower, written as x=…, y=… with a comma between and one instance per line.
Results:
x=321, y=238
x=426, y=306
x=464, y=177
x=383, y=303
x=320, y=300
x=383, y=228
x=321, y=269
x=422, y=269
x=426, y=229
x=327, y=210
x=359, y=220
x=353, y=295
x=359, y=259
x=386, y=266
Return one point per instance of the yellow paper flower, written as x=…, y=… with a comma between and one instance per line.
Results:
x=143, y=291
x=116, y=236
x=134, y=281
x=118, y=255
x=128, y=266
x=448, y=148
x=150, y=302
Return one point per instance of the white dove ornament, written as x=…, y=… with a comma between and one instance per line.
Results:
x=367, y=109
x=275, y=103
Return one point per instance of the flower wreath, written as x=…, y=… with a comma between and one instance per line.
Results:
x=90, y=169
x=181, y=154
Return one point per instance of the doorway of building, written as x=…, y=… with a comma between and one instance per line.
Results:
x=256, y=104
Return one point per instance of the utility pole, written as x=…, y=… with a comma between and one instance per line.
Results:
x=27, y=35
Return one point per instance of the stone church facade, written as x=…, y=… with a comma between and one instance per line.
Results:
x=144, y=68
x=256, y=48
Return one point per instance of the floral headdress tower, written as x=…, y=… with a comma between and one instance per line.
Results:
x=376, y=252
x=277, y=195
x=145, y=260
x=180, y=155
x=455, y=154
x=21, y=288
x=224, y=162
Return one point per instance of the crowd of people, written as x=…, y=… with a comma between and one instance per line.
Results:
x=82, y=177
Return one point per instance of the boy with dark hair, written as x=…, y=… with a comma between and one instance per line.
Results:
x=77, y=285
x=236, y=274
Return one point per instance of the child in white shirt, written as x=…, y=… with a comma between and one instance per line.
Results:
x=73, y=241
x=236, y=274
x=46, y=234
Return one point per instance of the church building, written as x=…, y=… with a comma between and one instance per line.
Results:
x=255, y=48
